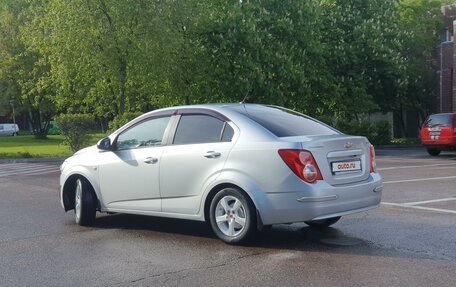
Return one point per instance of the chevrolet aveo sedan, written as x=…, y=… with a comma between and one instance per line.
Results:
x=239, y=167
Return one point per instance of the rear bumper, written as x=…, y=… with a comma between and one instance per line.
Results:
x=321, y=201
x=441, y=143
x=440, y=146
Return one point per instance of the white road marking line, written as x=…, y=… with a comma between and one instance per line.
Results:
x=420, y=207
x=19, y=169
x=417, y=166
x=25, y=170
x=42, y=172
x=430, y=201
x=419, y=179
x=22, y=167
x=30, y=173
x=26, y=166
x=395, y=160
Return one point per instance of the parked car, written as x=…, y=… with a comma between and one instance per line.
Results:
x=439, y=133
x=238, y=166
x=9, y=129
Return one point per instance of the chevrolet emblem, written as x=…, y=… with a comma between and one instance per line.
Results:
x=348, y=145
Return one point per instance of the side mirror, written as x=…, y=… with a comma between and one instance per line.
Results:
x=105, y=144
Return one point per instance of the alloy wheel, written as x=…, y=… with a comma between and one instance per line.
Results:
x=230, y=215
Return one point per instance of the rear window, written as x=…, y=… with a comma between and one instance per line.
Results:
x=439, y=120
x=285, y=123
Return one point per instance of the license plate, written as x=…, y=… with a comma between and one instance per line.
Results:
x=434, y=133
x=346, y=166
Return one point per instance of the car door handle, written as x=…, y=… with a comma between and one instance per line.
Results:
x=212, y=154
x=150, y=160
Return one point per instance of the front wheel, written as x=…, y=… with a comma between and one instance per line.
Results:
x=433, y=151
x=232, y=216
x=85, y=204
x=322, y=223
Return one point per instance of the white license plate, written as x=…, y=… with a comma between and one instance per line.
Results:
x=346, y=166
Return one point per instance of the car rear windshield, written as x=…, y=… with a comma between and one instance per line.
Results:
x=439, y=120
x=285, y=123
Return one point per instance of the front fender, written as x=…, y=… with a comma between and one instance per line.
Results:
x=89, y=173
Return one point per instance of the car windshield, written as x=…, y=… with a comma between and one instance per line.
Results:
x=438, y=120
x=285, y=123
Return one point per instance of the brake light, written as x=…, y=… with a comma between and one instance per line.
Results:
x=373, y=164
x=302, y=163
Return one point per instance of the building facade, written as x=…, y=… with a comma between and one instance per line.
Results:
x=447, y=87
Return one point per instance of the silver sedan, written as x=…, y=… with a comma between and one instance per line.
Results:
x=240, y=167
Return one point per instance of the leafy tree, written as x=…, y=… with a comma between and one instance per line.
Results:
x=23, y=71
x=363, y=42
x=421, y=22
x=267, y=52
x=333, y=58
x=102, y=53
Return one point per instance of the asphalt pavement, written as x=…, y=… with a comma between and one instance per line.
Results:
x=408, y=241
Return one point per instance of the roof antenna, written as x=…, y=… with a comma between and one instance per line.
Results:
x=245, y=98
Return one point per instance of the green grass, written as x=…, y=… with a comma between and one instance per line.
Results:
x=26, y=146
x=405, y=141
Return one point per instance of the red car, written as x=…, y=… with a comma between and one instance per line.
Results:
x=439, y=133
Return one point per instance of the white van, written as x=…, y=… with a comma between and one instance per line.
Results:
x=8, y=129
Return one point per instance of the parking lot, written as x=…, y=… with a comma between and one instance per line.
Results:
x=408, y=241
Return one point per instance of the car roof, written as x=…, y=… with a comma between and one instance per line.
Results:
x=219, y=107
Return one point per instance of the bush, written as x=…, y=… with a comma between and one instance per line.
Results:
x=378, y=133
x=75, y=127
x=406, y=141
x=120, y=120
x=54, y=128
x=382, y=134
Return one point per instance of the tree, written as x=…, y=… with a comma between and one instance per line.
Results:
x=24, y=72
x=422, y=23
x=267, y=52
x=363, y=52
x=102, y=53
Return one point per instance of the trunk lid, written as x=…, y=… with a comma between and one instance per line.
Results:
x=438, y=129
x=342, y=159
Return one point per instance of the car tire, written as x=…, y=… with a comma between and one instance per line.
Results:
x=233, y=216
x=85, y=203
x=322, y=223
x=433, y=151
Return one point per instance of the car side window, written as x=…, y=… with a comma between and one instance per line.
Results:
x=194, y=129
x=228, y=133
x=145, y=134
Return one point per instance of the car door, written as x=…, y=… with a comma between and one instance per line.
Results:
x=195, y=158
x=129, y=175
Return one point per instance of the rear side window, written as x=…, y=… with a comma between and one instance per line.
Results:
x=439, y=120
x=286, y=123
x=228, y=133
x=194, y=129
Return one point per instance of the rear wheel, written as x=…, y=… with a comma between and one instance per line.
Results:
x=322, y=223
x=84, y=203
x=232, y=216
x=433, y=151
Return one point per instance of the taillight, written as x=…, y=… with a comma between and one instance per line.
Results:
x=373, y=164
x=302, y=163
